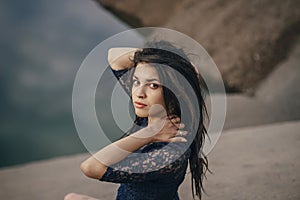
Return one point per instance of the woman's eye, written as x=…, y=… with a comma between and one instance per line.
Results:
x=136, y=82
x=154, y=85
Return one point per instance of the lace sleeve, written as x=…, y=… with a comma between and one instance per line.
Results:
x=122, y=76
x=155, y=161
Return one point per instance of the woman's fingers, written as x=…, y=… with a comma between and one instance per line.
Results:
x=181, y=133
x=176, y=129
x=177, y=139
x=176, y=122
x=175, y=119
x=172, y=131
x=180, y=126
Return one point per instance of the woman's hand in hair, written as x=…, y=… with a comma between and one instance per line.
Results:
x=168, y=129
x=121, y=57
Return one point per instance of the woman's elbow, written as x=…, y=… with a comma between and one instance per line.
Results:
x=92, y=170
x=86, y=168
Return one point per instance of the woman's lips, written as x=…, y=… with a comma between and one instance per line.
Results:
x=139, y=104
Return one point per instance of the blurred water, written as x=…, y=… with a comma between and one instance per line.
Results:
x=42, y=46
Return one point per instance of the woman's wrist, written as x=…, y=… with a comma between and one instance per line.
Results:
x=146, y=134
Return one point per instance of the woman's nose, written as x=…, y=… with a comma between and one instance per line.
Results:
x=140, y=92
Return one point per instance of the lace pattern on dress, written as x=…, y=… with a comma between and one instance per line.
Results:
x=152, y=162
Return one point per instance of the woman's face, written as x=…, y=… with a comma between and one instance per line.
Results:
x=146, y=89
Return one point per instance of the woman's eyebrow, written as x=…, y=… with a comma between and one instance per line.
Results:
x=148, y=80
x=153, y=79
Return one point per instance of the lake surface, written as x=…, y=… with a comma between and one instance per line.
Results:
x=42, y=46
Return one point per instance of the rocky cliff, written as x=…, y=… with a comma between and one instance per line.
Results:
x=246, y=39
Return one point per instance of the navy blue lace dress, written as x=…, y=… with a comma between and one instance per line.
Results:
x=153, y=172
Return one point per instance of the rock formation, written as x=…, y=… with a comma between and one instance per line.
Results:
x=246, y=39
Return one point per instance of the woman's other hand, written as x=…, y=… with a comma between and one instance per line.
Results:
x=169, y=129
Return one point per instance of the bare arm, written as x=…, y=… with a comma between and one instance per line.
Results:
x=120, y=58
x=96, y=165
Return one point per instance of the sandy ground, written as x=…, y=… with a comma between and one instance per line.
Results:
x=255, y=163
x=247, y=163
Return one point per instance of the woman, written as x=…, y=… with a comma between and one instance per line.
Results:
x=151, y=160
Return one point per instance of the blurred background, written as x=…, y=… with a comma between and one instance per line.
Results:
x=42, y=46
x=255, y=45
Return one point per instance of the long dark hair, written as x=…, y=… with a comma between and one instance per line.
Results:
x=176, y=59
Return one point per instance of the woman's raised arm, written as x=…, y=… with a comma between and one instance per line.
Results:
x=120, y=58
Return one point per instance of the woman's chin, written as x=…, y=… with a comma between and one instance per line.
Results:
x=141, y=114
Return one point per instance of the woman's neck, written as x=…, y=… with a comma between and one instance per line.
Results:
x=157, y=113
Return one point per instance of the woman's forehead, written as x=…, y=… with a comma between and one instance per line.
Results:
x=146, y=71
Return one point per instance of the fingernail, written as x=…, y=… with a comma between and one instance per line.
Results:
x=183, y=140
